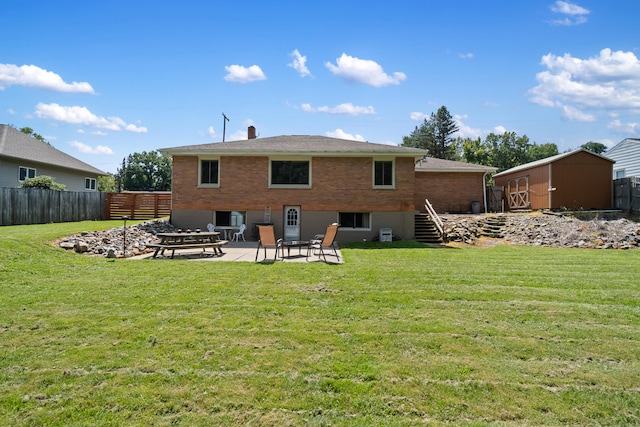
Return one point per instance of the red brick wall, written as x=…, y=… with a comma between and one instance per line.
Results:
x=449, y=191
x=338, y=183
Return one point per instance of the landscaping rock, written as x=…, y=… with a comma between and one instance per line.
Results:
x=538, y=229
x=109, y=243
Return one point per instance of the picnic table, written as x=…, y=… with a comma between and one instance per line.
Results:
x=188, y=240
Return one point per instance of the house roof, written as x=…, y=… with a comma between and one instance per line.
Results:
x=19, y=145
x=548, y=160
x=431, y=164
x=294, y=145
x=621, y=144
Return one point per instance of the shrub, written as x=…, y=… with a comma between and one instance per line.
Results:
x=44, y=182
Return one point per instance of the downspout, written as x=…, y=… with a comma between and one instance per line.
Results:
x=484, y=190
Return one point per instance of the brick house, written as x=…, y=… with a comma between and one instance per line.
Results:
x=451, y=187
x=300, y=184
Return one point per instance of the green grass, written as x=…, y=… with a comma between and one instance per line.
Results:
x=398, y=335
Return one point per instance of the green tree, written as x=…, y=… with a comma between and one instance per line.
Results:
x=145, y=171
x=107, y=183
x=504, y=151
x=31, y=133
x=43, y=181
x=542, y=151
x=435, y=135
x=594, y=147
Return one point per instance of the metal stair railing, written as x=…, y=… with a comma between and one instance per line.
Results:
x=436, y=219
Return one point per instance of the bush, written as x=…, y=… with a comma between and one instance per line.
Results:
x=44, y=182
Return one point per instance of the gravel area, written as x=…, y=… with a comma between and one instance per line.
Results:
x=593, y=231
x=537, y=229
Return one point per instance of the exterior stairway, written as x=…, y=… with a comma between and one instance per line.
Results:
x=493, y=226
x=425, y=230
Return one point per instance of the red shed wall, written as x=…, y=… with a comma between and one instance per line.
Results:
x=538, y=186
x=582, y=181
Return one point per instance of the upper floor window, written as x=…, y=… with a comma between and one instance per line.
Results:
x=209, y=173
x=620, y=174
x=90, y=183
x=383, y=175
x=290, y=173
x=25, y=172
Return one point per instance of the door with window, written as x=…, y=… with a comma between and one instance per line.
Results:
x=292, y=223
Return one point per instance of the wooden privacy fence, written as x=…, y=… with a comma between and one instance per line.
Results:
x=626, y=194
x=138, y=205
x=19, y=206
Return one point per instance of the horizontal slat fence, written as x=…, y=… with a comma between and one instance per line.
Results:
x=20, y=206
x=138, y=205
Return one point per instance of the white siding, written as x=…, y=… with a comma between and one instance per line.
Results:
x=627, y=157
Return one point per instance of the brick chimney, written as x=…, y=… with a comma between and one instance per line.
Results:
x=251, y=132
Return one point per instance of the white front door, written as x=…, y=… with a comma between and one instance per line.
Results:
x=292, y=223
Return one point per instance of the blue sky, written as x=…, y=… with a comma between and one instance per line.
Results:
x=104, y=79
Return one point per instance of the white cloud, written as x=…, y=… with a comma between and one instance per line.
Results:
x=299, y=64
x=339, y=133
x=364, y=71
x=576, y=115
x=417, y=116
x=86, y=149
x=467, y=55
x=211, y=132
x=82, y=116
x=576, y=15
x=11, y=111
x=610, y=80
x=624, y=128
x=33, y=76
x=347, y=108
x=240, y=74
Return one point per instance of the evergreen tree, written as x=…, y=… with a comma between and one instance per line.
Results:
x=435, y=135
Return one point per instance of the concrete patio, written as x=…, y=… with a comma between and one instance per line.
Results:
x=243, y=252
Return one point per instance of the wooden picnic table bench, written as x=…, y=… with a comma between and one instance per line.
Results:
x=192, y=240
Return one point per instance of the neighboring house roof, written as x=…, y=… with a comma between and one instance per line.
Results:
x=622, y=145
x=19, y=145
x=548, y=160
x=294, y=145
x=431, y=164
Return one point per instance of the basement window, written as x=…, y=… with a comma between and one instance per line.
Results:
x=354, y=220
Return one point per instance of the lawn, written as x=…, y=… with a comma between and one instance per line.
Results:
x=400, y=334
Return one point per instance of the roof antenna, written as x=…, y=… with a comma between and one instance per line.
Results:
x=224, y=126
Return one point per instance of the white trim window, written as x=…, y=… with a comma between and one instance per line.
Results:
x=354, y=220
x=25, y=172
x=209, y=172
x=384, y=173
x=90, y=184
x=290, y=173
